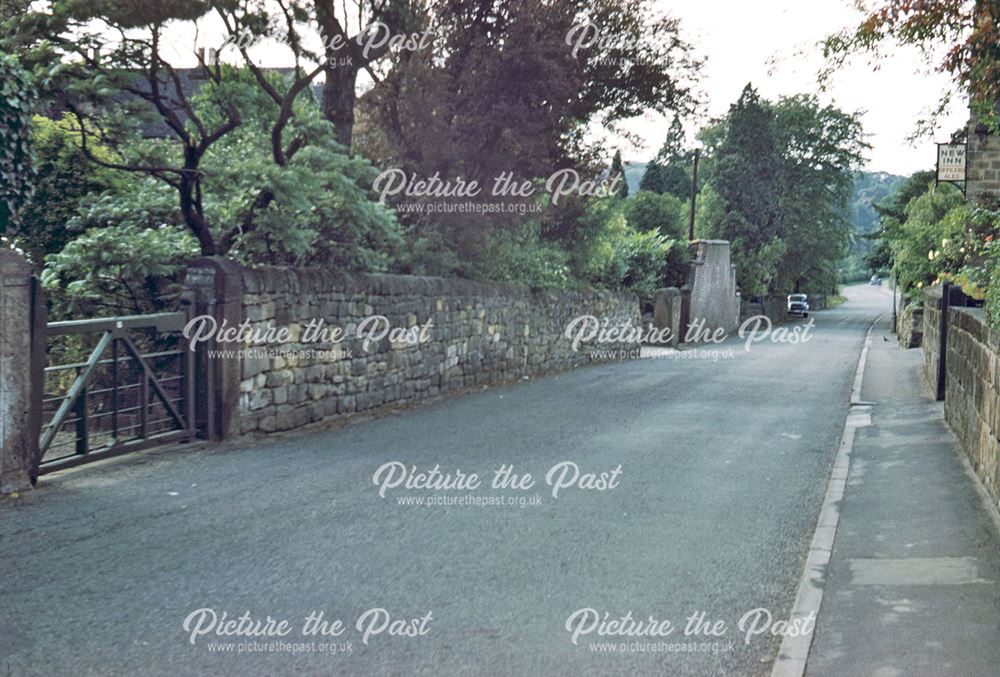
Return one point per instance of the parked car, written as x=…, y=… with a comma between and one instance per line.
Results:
x=876, y=280
x=798, y=304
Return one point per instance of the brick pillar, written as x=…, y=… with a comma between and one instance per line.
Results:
x=22, y=322
x=215, y=287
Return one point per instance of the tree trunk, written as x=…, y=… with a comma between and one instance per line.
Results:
x=339, y=99
x=191, y=202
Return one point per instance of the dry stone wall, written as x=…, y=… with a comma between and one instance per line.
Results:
x=430, y=336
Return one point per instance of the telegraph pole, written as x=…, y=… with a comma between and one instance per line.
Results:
x=694, y=193
x=894, y=299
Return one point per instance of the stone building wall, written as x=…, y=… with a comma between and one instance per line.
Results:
x=478, y=334
x=972, y=392
x=982, y=164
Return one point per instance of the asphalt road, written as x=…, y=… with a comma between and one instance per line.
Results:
x=723, y=464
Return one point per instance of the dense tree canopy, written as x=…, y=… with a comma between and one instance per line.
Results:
x=267, y=123
x=780, y=185
x=512, y=88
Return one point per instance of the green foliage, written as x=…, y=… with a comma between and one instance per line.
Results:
x=647, y=211
x=644, y=262
x=746, y=174
x=129, y=246
x=12, y=8
x=668, y=172
x=710, y=212
x=670, y=179
x=781, y=176
x=637, y=261
x=863, y=254
x=934, y=235
x=498, y=67
x=522, y=257
x=654, y=179
x=321, y=212
x=117, y=270
x=16, y=102
x=821, y=148
x=928, y=239
x=993, y=288
x=63, y=177
x=758, y=265
x=617, y=169
x=879, y=258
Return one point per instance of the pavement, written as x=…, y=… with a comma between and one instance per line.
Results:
x=701, y=480
x=912, y=588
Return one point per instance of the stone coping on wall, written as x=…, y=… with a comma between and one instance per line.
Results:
x=483, y=334
x=280, y=279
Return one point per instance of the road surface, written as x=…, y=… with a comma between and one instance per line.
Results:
x=118, y=568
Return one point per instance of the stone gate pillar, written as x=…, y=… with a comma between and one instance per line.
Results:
x=22, y=349
x=215, y=287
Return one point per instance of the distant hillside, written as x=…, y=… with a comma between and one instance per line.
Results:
x=633, y=175
x=870, y=188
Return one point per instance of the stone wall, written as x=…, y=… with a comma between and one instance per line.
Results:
x=479, y=334
x=972, y=392
x=774, y=307
x=910, y=326
x=932, y=336
x=818, y=301
x=710, y=291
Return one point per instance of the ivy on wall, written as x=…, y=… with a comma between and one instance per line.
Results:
x=16, y=96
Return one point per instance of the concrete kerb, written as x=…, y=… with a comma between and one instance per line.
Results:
x=793, y=655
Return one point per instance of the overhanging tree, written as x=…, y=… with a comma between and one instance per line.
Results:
x=108, y=68
x=502, y=91
x=964, y=35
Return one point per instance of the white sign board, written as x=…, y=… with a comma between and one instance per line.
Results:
x=951, y=162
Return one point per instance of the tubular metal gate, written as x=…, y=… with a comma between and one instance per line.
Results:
x=135, y=389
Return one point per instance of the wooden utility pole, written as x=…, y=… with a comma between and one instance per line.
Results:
x=694, y=193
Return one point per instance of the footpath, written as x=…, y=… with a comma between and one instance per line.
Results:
x=913, y=582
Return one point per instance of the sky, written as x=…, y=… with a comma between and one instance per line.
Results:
x=772, y=44
x=740, y=37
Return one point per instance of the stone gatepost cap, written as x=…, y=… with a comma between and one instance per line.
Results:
x=12, y=261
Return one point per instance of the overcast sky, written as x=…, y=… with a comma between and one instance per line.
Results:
x=739, y=37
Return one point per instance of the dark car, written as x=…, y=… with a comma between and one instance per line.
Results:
x=876, y=280
x=798, y=304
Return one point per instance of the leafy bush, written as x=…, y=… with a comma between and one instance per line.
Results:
x=63, y=178
x=648, y=211
x=643, y=262
x=120, y=269
x=322, y=211
x=993, y=288
x=930, y=241
x=520, y=256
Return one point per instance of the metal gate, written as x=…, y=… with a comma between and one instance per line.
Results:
x=125, y=383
